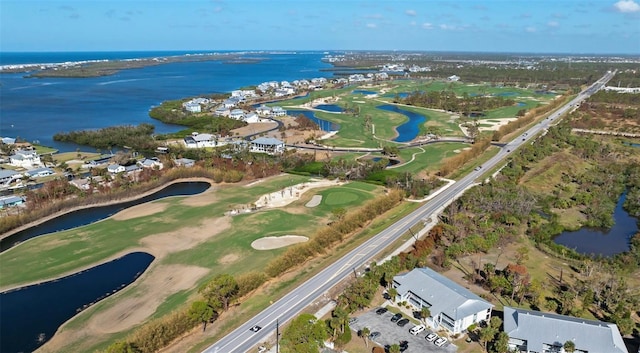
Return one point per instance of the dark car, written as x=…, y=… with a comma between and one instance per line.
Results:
x=381, y=311
x=374, y=335
x=404, y=345
x=402, y=322
x=255, y=328
x=396, y=317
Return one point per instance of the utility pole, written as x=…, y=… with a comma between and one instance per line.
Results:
x=355, y=273
x=277, y=336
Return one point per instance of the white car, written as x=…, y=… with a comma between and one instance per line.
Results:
x=417, y=329
x=431, y=337
x=262, y=349
x=440, y=341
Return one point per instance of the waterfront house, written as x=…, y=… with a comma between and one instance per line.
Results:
x=39, y=172
x=537, y=332
x=278, y=111
x=8, y=141
x=453, y=78
x=25, y=159
x=452, y=306
x=267, y=145
x=192, y=107
x=197, y=140
x=252, y=118
x=263, y=110
x=229, y=103
x=102, y=159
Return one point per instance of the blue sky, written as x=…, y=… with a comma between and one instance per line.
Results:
x=559, y=26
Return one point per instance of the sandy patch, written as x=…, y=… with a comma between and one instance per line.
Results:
x=145, y=209
x=185, y=238
x=290, y=194
x=359, y=102
x=159, y=284
x=268, y=243
x=314, y=202
x=229, y=259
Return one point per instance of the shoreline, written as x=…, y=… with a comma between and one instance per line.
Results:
x=109, y=203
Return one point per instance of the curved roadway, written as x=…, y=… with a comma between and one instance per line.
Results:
x=242, y=339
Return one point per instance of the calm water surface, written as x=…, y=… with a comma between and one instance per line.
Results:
x=605, y=242
x=409, y=130
x=30, y=316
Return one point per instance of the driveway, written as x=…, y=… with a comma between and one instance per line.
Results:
x=390, y=333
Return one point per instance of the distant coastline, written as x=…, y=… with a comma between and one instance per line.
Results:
x=104, y=64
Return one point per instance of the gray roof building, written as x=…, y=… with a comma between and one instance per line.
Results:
x=452, y=306
x=535, y=331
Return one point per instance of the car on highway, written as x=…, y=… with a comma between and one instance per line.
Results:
x=381, y=311
x=431, y=337
x=416, y=329
x=255, y=328
x=396, y=317
x=402, y=322
x=374, y=335
x=440, y=341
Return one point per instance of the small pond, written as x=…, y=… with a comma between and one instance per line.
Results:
x=400, y=94
x=391, y=160
x=409, y=130
x=93, y=214
x=363, y=92
x=329, y=108
x=324, y=125
x=31, y=315
x=605, y=242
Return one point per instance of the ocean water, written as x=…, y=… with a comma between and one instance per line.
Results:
x=35, y=109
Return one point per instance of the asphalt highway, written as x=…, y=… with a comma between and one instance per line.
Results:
x=243, y=339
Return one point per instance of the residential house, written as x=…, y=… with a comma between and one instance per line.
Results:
x=267, y=145
x=8, y=140
x=237, y=114
x=192, y=107
x=453, y=78
x=278, y=111
x=115, y=168
x=263, y=110
x=197, y=140
x=102, y=159
x=185, y=162
x=537, y=332
x=284, y=91
x=25, y=159
x=39, y=172
x=7, y=176
x=153, y=163
x=230, y=103
x=452, y=306
x=222, y=111
x=10, y=201
x=252, y=118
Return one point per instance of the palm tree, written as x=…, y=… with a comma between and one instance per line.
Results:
x=569, y=347
x=364, y=333
x=424, y=314
x=395, y=348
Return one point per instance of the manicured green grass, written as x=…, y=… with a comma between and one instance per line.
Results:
x=431, y=158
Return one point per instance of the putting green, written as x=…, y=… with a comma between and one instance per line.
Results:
x=338, y=198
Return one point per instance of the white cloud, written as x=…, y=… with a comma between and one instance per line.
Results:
x=530, y=29
x=447, y=27
x=553, y=24
x=412, y=23
x=427, y=25
x=372, y=25
x=376, y=16
x=626, y=6
x=411, y=12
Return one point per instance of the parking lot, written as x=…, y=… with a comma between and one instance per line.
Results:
x=390, y=333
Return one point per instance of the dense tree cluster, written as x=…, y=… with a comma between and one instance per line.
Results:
x=137, y=137
x=449, y=101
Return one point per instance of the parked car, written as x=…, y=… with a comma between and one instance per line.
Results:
x=402, y=322
x=404, y=345
x=262, y=349
x=374, y=335
x=381, y=311
x=440, y=341
x=396, y=317
x=416, y=329
x=353, y=320
x=431, y=337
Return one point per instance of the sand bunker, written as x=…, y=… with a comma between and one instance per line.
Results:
x=314, y=202
x=268, y=243
x=290, y=194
